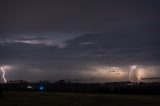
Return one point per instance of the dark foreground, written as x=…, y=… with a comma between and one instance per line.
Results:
x=75, y=99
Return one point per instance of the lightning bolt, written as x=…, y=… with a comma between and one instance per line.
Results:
x=3, y=74
x=131, y=71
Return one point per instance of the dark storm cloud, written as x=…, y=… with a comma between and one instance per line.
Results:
x=76, y=15
x=114, y=48
x=61, y=39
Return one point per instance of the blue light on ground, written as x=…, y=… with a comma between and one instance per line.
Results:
x=41, y=88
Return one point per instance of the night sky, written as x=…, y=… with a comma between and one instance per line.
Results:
x=85, y=40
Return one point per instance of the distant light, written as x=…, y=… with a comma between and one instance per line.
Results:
x=29, y=87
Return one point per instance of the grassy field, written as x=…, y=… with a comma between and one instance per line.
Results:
x=75, y=99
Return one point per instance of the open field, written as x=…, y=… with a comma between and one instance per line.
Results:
x=76, y=99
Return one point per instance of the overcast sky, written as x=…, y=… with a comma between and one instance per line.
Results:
x=89, y=40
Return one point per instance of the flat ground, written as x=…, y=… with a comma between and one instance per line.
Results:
x=76, y=99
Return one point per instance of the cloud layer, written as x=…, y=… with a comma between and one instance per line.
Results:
x=65, y=40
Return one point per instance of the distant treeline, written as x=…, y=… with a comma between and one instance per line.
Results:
x=63, y=86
